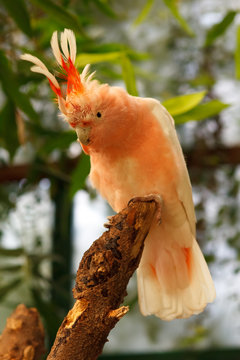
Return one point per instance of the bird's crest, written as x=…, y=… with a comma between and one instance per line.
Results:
x=76, y=83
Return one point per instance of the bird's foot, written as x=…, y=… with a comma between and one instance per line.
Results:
x=149, y=198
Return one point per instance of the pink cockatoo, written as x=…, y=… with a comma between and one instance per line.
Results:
x=134, y=151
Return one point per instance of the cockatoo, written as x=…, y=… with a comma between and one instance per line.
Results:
x=135, y=151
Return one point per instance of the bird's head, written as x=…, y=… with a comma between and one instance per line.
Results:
x=86, y=105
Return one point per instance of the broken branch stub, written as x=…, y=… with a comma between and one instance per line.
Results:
x=23, y=336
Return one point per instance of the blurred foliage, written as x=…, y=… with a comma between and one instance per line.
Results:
x=144, y=13
x=32, y=133
x=218, y=29
x=173, y=7
x=237, y=54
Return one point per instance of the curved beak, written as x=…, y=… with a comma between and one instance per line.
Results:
x=83, y=134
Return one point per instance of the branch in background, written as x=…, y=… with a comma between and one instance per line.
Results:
x=101, y=283
x=39, y=171
x=23, y=336
x=202, y=158
x=212, y=158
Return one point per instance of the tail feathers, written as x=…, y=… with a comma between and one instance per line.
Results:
x=171, y=293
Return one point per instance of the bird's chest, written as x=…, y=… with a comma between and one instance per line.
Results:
x=115, y=180
x=119, y=181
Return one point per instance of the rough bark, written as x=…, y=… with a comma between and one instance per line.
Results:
x=23, y=336
x=101, y=283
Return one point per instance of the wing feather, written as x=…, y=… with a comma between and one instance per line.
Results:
x=184, y=188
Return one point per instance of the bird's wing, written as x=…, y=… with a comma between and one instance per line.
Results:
x=184, y=188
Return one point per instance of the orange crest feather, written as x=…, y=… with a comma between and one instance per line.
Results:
x=65, y=57
x=74, y=83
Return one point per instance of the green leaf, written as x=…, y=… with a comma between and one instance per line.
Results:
x=8, y=128
x=201, y=112
x=237, y=54
x=203, y=78
x=19, y=13
x=181, y=104
x=219, y=29
x=83, y=59
x=61, y=15
x=129, y=75
x=134, y=55
x=105, y=8
x=144, y=13
x=107, y=47
x=10, y=86
x=173, y=7
x=108, y=56
x=79, y=175
x=118, y=48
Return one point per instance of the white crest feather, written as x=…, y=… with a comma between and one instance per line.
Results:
x=45, y=72
x=55, y=48
x=40, y=68
x=84, y=73
x=34, y=60
x=72, y=44
x=85, y=76
x=68, y=45
x=62, y=50
x=64, y=44
x=61, y=105
x=89, y=78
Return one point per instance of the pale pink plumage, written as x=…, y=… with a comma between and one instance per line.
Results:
x=135, y=151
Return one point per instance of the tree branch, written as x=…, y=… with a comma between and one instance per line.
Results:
x=23, y=336
x=198, y=158
x=101, y=283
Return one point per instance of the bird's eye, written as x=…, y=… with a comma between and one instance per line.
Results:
x=99, y=114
